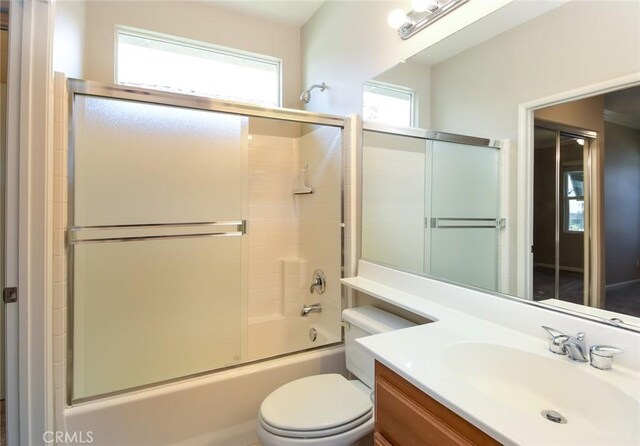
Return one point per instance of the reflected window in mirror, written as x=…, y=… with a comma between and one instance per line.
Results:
x=574, y=201
x=388, y=104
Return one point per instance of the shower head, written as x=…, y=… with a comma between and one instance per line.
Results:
x=306, y=95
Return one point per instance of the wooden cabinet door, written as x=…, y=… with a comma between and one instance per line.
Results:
x=406, y=416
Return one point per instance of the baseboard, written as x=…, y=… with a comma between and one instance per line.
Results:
x=573, y=269
x=621, y=284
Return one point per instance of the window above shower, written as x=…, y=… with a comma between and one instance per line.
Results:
x=168, y=63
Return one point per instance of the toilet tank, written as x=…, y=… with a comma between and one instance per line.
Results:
x=366, y=321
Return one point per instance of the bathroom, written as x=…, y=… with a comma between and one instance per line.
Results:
x=359, y=182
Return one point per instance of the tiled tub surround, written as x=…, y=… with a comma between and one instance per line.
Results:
x=60, y=224
x=290, y=236
x=272, y=231
x=427, y=355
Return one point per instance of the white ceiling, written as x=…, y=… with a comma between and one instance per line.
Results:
x=289, y=12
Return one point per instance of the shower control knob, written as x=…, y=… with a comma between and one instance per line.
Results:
x=318, y=282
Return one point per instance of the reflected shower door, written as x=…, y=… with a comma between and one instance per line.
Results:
x=156, y=217
x=464, y=221
x=393, y=197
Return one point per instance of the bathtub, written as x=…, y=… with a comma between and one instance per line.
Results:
x=216, y=409
x=273, y=336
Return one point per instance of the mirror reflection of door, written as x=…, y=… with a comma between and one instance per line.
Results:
x=560, y=251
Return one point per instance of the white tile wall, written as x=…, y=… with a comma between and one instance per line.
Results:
x=273, y=221
x=60, y=135
x=290, y=236
x=320, y=222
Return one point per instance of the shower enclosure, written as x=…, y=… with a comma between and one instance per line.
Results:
x=431, y=204
x=187, y=249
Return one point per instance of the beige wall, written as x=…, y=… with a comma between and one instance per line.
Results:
x=197, y=21
x=69, y=38
x=478, y=91
x=586, y=114
x=348, y=42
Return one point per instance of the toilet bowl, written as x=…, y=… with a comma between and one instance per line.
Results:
x=328, y=409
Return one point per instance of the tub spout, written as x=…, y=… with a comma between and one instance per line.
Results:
x=313, y=308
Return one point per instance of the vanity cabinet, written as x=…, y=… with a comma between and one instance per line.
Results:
x=406, y=416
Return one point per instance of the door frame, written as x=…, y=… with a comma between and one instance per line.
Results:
x=525, y=187
x=29, y=222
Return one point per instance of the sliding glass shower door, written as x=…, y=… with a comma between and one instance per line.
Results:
x=156, y=222
x=464, y=213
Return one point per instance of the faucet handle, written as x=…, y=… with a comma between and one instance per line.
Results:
x=602, y=356
x=557, y=341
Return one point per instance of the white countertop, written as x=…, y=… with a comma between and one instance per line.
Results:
x=432, y=357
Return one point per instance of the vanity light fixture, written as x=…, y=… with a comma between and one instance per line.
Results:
x=422, y=14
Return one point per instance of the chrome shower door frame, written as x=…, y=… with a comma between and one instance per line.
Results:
x=79, y=87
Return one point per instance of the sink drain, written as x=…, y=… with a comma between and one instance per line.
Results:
x=554, y=416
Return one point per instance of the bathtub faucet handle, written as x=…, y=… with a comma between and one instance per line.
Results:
x=318, y=282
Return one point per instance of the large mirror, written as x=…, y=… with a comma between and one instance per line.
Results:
x=507, y=157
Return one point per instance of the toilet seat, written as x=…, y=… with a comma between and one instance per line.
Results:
x=321, y=433
x=315, y=407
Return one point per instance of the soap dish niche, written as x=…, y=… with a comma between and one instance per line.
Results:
x=302, y=187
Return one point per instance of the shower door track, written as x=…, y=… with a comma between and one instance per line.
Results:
x=434, y=135
x=125, y=92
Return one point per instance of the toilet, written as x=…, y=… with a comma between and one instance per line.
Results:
x=328, y=409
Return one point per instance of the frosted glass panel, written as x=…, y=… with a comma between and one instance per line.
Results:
x=393, y=197
x=465, y=180
x=149, y=311
x=137, y=163
x=464, y=211
x=468, y=256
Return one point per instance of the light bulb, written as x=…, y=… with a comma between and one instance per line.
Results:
x=397, y=18
x=420, y=5
x=580, y=141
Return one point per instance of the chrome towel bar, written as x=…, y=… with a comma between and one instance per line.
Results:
x=468, y=223
x=140, y=232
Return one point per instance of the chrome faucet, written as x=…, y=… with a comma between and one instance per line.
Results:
x=599, y=356
x=576, y=348
x=313, y=308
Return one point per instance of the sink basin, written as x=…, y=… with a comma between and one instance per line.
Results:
x=524, y=384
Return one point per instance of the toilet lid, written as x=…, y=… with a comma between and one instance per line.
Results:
x=315, y=403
